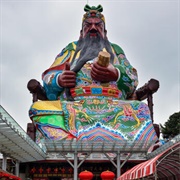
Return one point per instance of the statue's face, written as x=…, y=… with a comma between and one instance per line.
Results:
x=92, y=26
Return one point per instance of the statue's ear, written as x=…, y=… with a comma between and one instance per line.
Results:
x=105, y=31
x=81, y=34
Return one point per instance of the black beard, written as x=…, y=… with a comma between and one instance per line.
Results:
x=90, y=48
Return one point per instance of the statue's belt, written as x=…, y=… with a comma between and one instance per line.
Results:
x=95, y=91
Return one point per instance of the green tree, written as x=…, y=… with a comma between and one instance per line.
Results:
x=171, y=128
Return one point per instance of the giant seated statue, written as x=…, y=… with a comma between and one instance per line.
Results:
x=89, y=92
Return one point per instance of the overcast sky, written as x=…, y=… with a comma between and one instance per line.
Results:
x=34, y=32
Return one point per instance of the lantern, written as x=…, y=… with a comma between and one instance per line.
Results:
x=107, y=175
x=85, y=175
x=33, y=170
x=41, y=170
x=56, y=170
x=48, y=170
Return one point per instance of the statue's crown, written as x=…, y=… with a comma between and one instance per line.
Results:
x=93, y=11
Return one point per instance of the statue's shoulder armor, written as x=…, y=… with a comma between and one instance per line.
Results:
x=118, y=50
x=70, y=47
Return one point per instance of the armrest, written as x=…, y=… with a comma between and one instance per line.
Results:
x=36, y=90
x=148, y=89
x=146, y=92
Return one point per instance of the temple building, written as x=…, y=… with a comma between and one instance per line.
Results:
x=22, y=158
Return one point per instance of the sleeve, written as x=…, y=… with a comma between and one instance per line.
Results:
x=50, y=76
x=53, y=90
x=128, y=78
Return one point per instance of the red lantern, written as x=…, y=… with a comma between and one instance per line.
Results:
x=70, y=170
x=41, y=170
x=107, y=175
x=63, y=170
x=48, y=170
x=33, y=170
x=85, y=175
x=56, y=170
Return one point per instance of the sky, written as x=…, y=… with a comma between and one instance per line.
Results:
x=33, y=32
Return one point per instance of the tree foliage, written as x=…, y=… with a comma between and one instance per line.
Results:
x=171, y=128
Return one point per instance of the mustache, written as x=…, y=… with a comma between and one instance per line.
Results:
x=92, y=31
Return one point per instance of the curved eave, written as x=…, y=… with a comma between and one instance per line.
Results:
x=15, y=143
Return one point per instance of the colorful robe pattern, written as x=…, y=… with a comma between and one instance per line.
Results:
x=100, y=110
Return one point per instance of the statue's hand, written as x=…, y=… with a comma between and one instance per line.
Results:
x=68, y=78
x=104, y=74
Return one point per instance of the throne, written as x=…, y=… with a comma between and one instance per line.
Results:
x=142, y=93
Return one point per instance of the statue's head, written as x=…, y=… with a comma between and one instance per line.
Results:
x=93, y=22
x=93, y=37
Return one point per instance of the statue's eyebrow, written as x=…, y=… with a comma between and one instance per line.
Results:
x=86, y=21
x=99, y=22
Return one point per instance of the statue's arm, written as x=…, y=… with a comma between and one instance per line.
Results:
x=128, y=78
x=50, y=76
x=52, y=89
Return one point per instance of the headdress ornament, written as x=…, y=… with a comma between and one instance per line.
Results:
x=93, y=11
